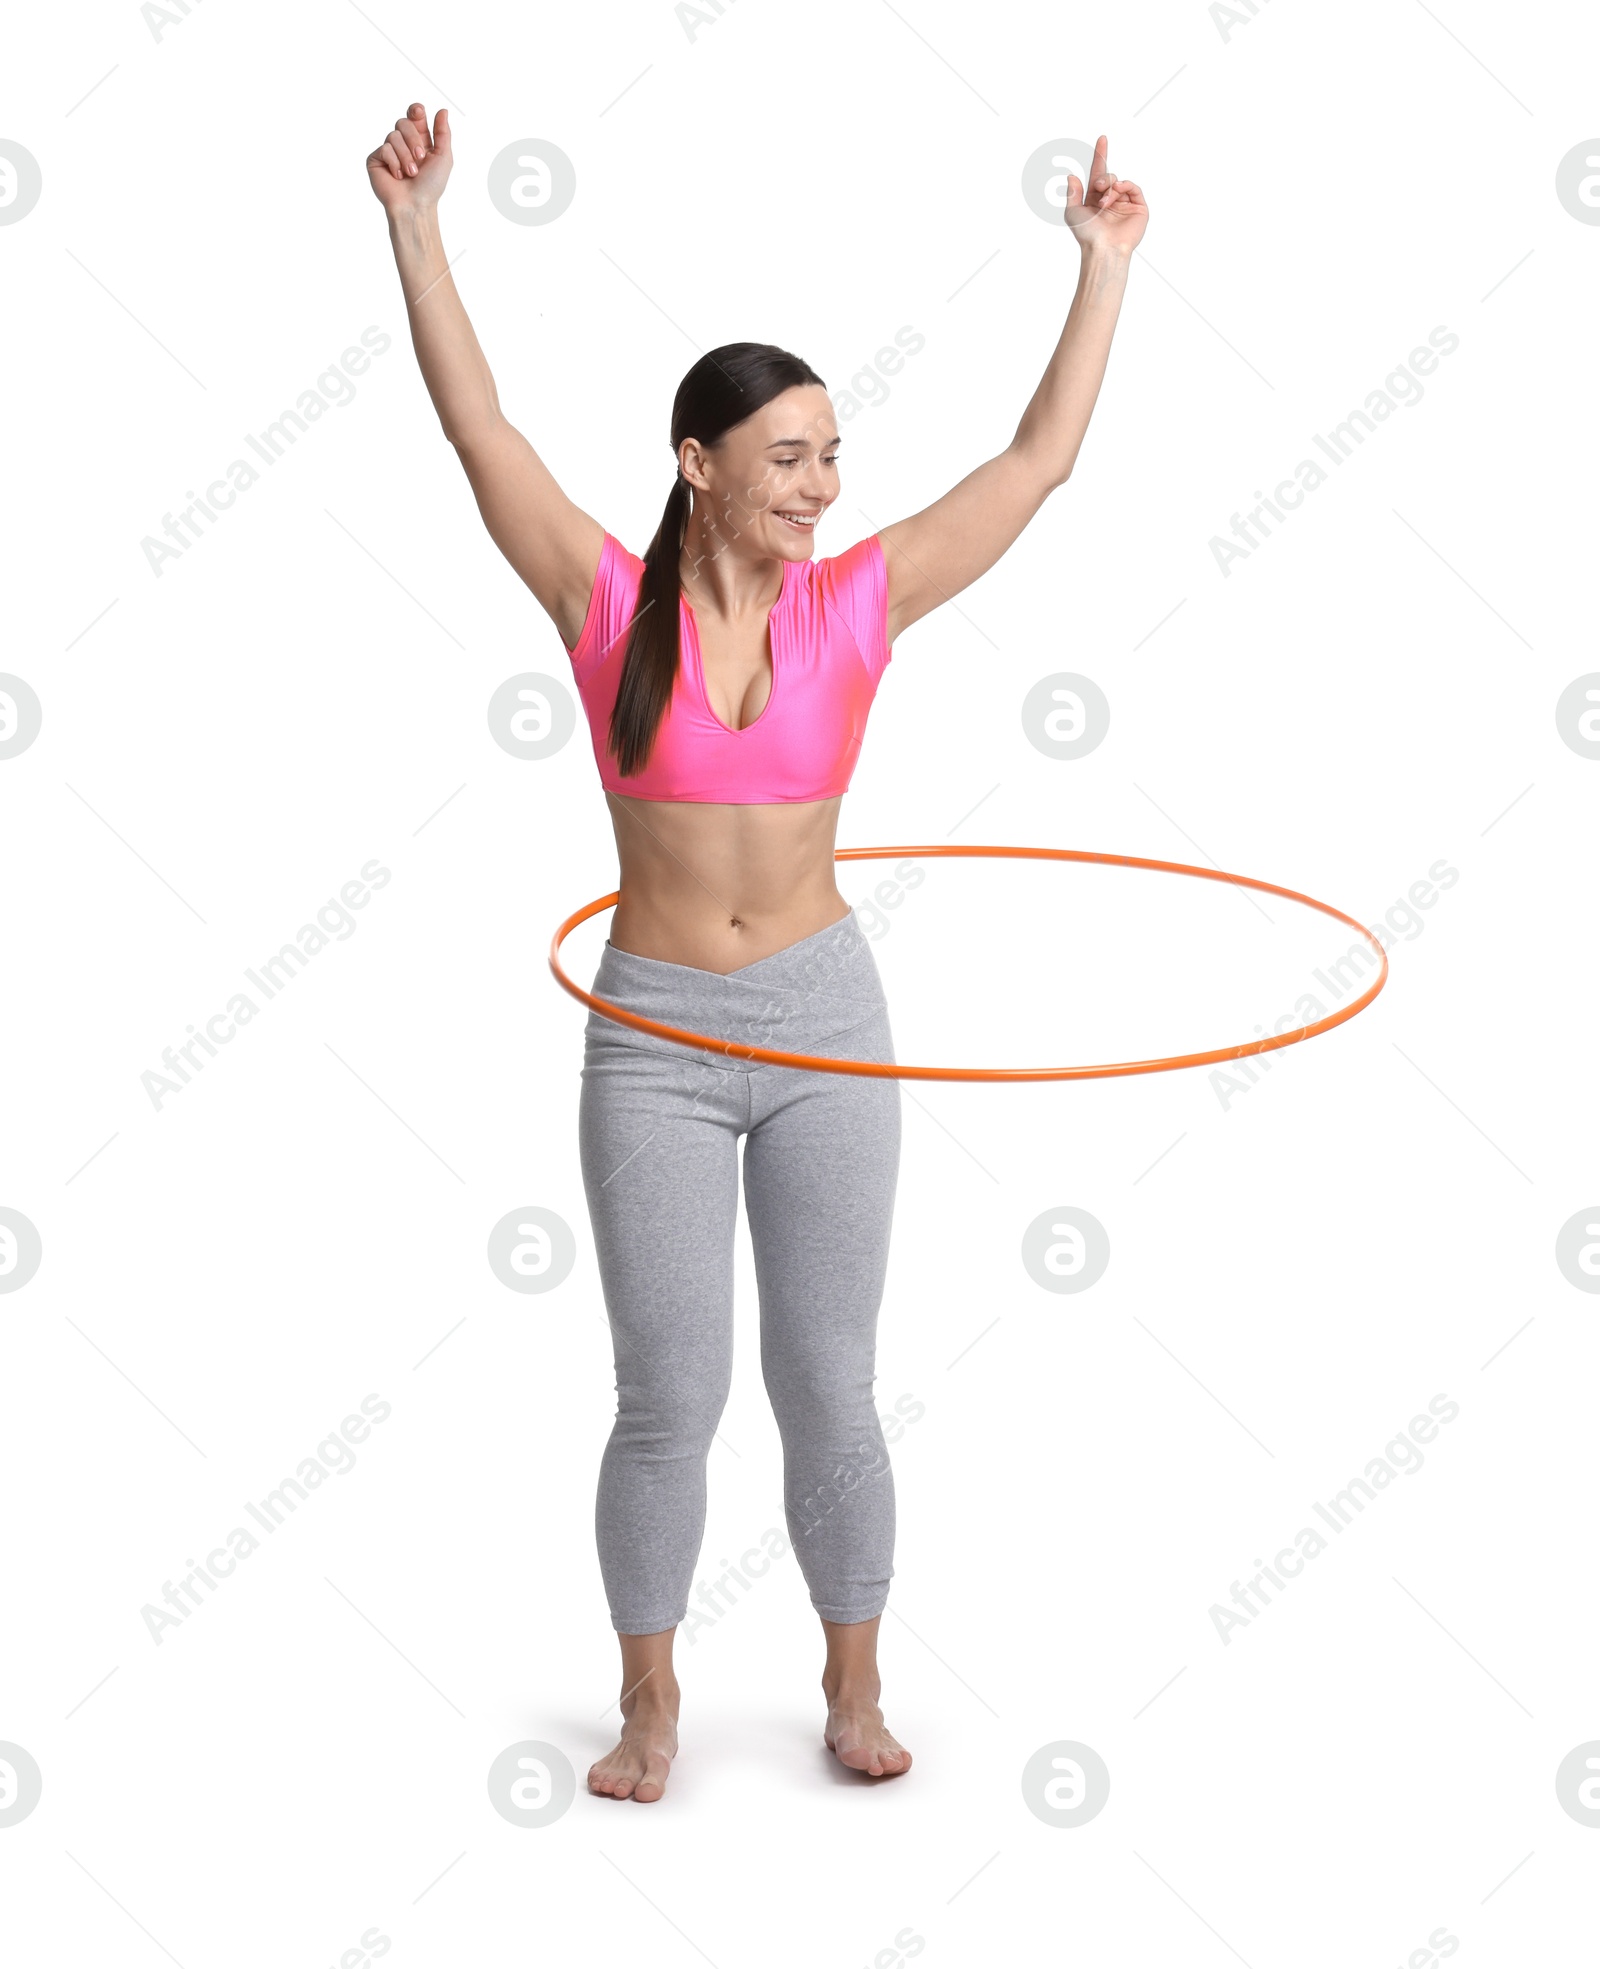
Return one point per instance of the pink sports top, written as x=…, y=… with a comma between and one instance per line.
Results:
x=828, y=631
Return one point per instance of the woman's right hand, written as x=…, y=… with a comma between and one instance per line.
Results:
x=409, y=169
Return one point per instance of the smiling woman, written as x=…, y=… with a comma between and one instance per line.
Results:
x=757, y=452
x=727, y=676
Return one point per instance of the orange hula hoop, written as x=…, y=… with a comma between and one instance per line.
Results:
x=771, y=1056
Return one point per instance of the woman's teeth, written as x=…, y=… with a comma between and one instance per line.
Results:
x=806, y=520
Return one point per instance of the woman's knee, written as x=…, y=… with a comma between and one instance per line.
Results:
x=668, y=1419
x=826, y=1402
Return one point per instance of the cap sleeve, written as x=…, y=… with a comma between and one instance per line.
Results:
x=855, y=588
x=611, y=606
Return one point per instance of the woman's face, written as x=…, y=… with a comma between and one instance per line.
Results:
x=767, y=482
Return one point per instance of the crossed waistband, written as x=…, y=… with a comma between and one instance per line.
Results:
x=799, y=996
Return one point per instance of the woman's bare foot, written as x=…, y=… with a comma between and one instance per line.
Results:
x=858, y=1736
x=855, y=1730
x=638, y=1767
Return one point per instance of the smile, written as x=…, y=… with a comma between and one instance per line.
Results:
x=803, y=520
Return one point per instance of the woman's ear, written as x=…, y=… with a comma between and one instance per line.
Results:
x=692, y=465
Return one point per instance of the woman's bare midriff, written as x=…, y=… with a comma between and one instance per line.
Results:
x=719, y=886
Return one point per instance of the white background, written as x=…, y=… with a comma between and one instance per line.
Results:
x=1295, y=1271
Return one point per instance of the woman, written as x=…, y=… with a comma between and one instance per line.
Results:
x=727, y=678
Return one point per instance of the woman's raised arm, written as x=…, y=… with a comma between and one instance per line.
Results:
x=936, y=553
x=553, y=544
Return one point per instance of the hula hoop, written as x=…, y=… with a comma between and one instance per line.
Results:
x=771, y=1056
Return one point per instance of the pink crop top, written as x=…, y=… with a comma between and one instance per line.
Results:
x=828, y=631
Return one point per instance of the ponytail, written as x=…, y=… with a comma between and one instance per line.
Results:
x=724, y=387
x=650, y=668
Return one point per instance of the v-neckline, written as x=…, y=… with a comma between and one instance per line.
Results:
x=738, y=731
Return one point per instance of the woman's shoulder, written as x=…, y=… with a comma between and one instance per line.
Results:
x=853, y=589
x=612, y=598
x=618, y=561
x=855, y=563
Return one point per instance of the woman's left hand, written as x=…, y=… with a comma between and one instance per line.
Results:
x=1111, y=213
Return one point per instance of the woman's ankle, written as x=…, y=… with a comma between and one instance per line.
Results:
x=657, y=1696
x=858, y=1686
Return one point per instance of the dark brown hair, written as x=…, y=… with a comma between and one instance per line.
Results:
x=724, y=387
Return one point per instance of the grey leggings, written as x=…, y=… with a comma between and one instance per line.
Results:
x=658, y=1131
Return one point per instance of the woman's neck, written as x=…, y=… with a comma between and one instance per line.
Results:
x=720, y=580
